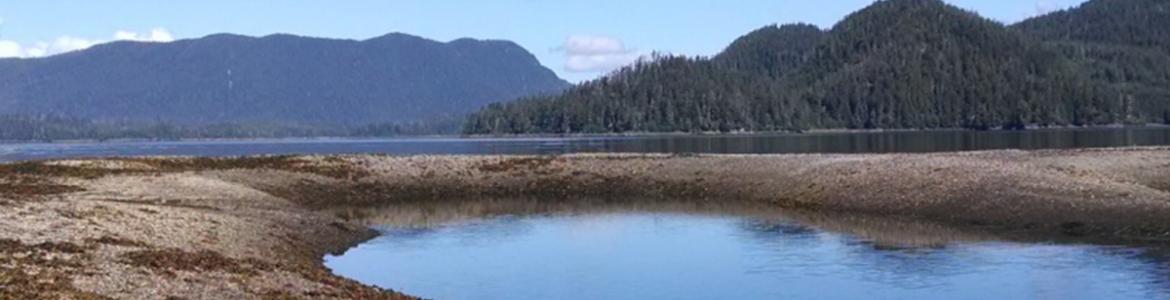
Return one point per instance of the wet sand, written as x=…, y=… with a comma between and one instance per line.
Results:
x=257, y=227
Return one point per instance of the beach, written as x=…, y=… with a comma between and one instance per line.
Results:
x=258, y=227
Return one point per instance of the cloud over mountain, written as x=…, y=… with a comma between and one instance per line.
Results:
x=593, y=53
x=67, y=43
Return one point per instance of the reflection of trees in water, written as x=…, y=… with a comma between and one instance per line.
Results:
x=886, y=142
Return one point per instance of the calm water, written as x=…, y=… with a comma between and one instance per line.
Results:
x=869, y=142
x=685, y=256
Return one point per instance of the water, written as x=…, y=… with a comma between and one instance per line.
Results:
x=865, y=142
x=655, y=255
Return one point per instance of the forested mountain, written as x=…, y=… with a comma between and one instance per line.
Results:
x=280, y=80
x=668, y=93
x=1123, y=43
x=1142, y=23
x=894, y=64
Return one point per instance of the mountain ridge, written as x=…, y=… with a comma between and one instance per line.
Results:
x=899, y=64
x=277, y=78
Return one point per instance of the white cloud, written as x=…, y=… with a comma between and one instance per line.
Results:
x=9, y=49
x=158, y=35
x=67, y=43
x=591, y=53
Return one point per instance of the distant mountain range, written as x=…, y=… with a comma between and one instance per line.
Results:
x=895, y=64
x=276, y=80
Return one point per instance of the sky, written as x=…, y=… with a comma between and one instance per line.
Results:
x=578, y=39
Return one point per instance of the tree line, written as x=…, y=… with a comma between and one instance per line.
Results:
x=54, y=127
x=908, y=64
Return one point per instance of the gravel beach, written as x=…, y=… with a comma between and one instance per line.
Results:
x=258, y=227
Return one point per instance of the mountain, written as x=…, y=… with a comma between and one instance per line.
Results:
x=772, y=50
x=925, y=64
x=895, y=64
x=1141, y=23
x=1122, y=43
x=277, y=79
x=666, y=93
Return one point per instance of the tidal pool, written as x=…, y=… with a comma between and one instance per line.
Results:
x=680, y=255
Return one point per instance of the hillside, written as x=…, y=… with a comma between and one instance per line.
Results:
x=276, y=79
x=1142, y=23
x=1122, y=43
x=668, y=93
x=924, y=64
x=895, y=64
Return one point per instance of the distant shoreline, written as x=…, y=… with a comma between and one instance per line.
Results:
x=826, y=131
x=578, y=135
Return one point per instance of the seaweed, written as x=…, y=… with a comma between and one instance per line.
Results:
x=169, y=260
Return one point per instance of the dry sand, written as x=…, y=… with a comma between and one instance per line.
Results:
x=257, y=227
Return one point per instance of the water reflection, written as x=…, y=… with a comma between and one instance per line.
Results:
x=595, y=248
x=855, y=142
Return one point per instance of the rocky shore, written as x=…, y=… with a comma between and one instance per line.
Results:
x=257, y=227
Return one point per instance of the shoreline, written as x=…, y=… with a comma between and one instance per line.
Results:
x=258, y=227
x=573, y=135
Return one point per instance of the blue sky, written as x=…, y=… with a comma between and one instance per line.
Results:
x=579, y=39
